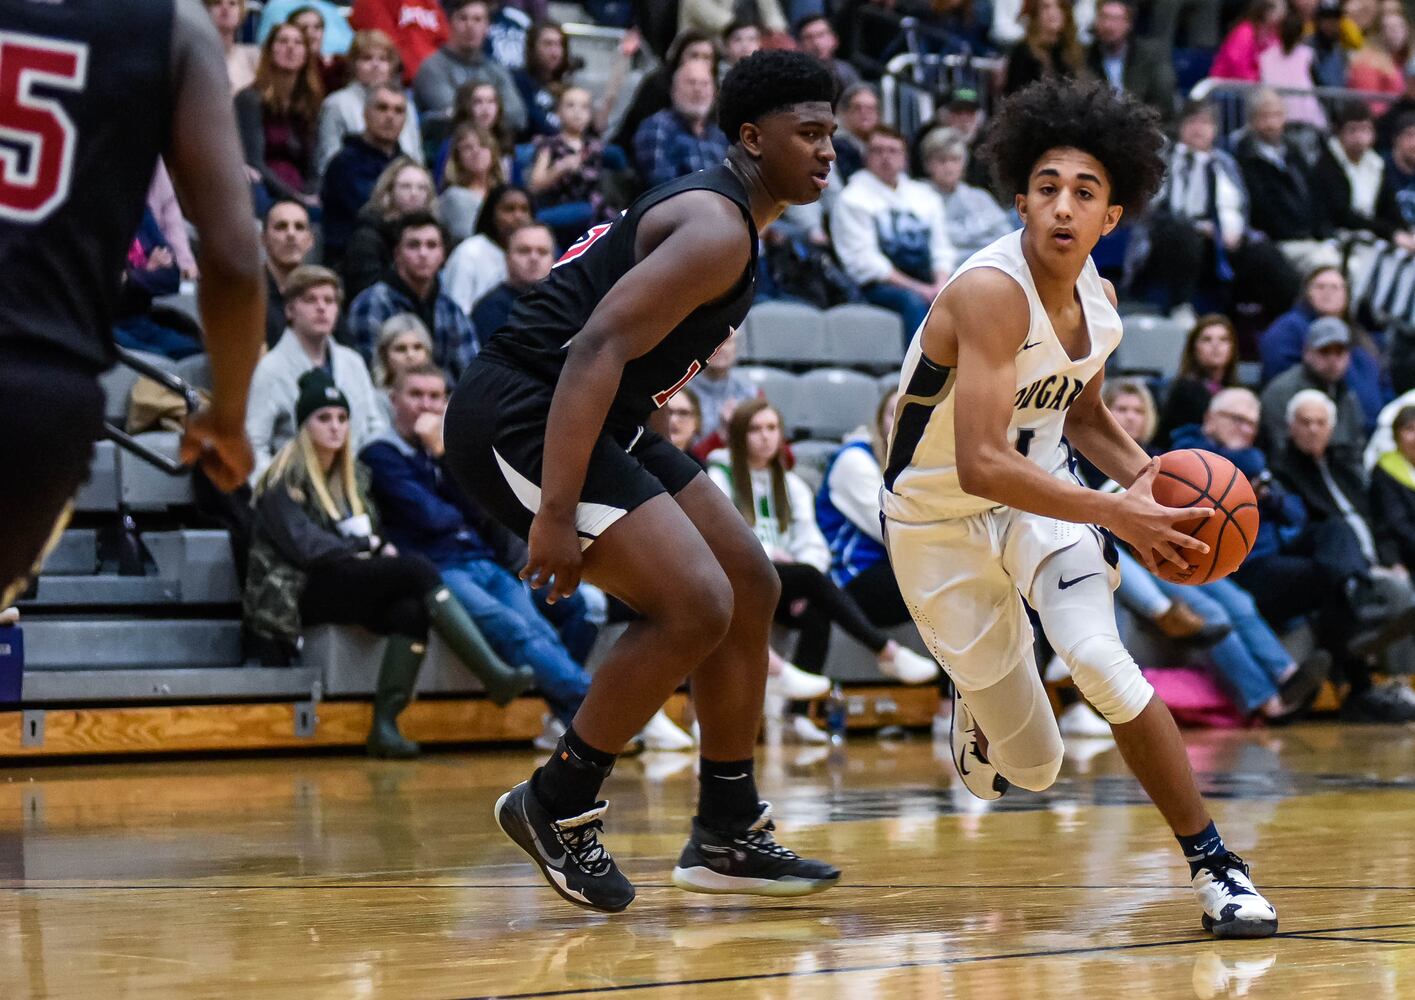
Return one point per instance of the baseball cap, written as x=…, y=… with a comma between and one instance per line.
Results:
x=1327, y=331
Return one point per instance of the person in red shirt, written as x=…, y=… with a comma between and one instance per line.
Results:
x=418, y=27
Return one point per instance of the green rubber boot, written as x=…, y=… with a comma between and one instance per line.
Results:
x=397, y=676
x=450, y=619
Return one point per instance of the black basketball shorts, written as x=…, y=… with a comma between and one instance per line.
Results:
x=51, y=413
x=495, y=445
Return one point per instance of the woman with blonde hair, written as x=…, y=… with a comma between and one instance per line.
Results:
x=403, y=343
x=317, y=559
x=241, y=59
x=779, y=508
x=473, y=168
x=276, y=116
x=403, y=187
x=373, y=59
x=1049, y=48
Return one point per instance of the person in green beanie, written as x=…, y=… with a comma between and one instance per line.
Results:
x=317, y=558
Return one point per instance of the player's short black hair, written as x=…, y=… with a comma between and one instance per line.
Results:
x=767, y=82
x=1115, y=128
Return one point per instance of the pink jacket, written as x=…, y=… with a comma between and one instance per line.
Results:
x=1237, y=57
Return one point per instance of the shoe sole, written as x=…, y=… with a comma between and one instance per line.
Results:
x=544, y=869
x=705, y=880
x=1240, y=928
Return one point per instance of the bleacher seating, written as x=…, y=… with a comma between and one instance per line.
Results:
x=864, y=336
x=1151, y=346
x=812, y=456
x=784, y=333
x=834, y=401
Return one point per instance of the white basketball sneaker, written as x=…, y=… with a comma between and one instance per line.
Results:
x=905, y=665
x=979, y=776
x=1233, y=908
x=794, y=684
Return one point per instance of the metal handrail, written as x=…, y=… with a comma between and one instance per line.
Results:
x=126, y=441
x=904, y=77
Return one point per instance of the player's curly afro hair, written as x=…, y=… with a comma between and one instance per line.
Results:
x=770, y=81
x=1116, y=129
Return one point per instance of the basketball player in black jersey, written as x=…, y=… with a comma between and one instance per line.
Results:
x=91, y=92
x=547, y=429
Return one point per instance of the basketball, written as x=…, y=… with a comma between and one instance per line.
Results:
x=1194, y=478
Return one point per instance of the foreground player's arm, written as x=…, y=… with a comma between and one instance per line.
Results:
x=986, y=315
x=206, y=166
x=694, y=250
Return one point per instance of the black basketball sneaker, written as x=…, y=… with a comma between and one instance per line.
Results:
x=750, y=862
x=567, y=851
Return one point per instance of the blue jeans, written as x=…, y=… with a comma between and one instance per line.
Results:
x=1139, y=591
x=1251, y=659
x=911, y=306
x=504, y=610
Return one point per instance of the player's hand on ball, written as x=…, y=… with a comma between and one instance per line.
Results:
x=1149, y=528
x=554, y=556
x=224, y=453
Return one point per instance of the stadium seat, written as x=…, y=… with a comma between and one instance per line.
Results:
x=812, y=457
x=195, y=371
x=776, y=385
x=887, y=382
x=783, y=332
x=834, y=401
x=118, y=384
x=143, y=486
x=1152, y=344
x=864, y=336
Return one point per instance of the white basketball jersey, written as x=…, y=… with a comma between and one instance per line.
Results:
x=921, y=475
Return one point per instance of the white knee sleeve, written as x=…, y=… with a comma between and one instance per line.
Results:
x=1108, y=676
x=1015, y=716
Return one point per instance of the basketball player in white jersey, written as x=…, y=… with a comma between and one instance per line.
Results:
x=982, y=510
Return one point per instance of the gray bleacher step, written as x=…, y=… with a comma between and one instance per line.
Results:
x=104, y=589
x=114, y=644
x=75, y=555
x=170, y=684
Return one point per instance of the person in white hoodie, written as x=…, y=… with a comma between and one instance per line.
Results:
x=891, y=234
x=781, y=510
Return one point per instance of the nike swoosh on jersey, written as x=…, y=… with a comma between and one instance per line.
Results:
x=553, y=862
x=1063, y=584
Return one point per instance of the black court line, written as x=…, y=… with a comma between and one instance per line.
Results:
x=895, y=966
x=1352, y=940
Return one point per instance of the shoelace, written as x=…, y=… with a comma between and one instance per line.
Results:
x=583, y=846
x=1222, y=869
x=760, y=840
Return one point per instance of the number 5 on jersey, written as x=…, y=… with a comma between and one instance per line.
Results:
x=37, y=152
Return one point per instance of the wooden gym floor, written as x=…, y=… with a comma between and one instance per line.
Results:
x=336, y=877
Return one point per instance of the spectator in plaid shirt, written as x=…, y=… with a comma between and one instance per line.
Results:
x=681, y=139
x=412, y=286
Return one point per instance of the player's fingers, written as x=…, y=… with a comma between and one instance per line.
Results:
x=1147, y=557
x=1146, y=476
x=1169, y=553
x=568, y=584
x=1184, y=541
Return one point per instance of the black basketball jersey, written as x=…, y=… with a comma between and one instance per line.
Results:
x=85, y=109
x=544, y=320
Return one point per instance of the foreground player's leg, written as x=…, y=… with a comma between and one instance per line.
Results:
x=1080, y=623
x=731, y=849
x=654, y=560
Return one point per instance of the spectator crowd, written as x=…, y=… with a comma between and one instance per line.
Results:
x=419, y=164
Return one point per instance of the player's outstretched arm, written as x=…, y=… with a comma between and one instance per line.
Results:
x=985, y=314
x=209, y=173
x=694, y=249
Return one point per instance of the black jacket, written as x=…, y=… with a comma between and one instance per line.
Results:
x=1393, y=507
x=1334, y=191
x=1148, y=76
x=1298, y=472
x=1283, y=200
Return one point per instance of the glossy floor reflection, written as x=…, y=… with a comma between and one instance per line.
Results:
x=336, y=877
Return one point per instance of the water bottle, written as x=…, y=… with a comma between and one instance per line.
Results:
x=835, y=713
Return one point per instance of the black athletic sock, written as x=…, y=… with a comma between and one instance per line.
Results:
x=727, y=794
x=1201, y=846
x=568, y=784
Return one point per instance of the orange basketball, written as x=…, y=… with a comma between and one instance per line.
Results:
x=1194, y=478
